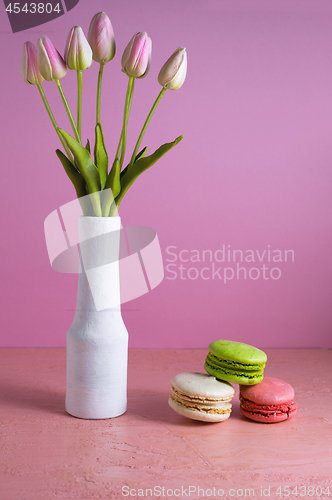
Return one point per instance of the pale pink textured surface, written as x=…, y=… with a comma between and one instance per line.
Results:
x=47, y=454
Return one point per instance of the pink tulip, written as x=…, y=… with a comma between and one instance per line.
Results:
x=78, y=53
x=51, y=65
x=136, y=58
x=101, y=38
x=173, y=73
x=29, y=65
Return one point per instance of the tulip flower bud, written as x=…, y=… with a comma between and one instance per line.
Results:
x=50, y=63
x=136, y=58
x=101, y=38
x=78, y=53
x=173, y=73
x=29, y=65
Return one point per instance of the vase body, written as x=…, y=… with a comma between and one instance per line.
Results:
x=97, y=341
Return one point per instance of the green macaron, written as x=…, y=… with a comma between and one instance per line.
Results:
x=235, y=362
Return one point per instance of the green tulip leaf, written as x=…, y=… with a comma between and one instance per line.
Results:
x=142, y=164
x=101, y=157
x=78, y=181
x=87, y=147
x=76, y=178
x=112, y=187
x=141, y=154
x=87, y=168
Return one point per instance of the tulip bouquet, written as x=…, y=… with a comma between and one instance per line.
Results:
x=100, y=189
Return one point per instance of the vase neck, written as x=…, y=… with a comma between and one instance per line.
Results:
x=99, y=282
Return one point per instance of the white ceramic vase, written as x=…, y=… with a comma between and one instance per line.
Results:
x=97, y=341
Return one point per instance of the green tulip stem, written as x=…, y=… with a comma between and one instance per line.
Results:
x=145, y=126
x=70, y=116
x=118, y=152
x=100, y=77
x=79, y=101
x=114, y=209
x=123, y=138
x=50, y=114
x=131, y=95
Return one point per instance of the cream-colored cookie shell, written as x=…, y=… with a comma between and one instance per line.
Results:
x=202, y=386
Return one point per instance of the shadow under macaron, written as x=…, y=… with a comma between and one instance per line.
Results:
x=153, y=406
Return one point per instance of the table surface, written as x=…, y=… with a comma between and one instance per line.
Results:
x=47, y=454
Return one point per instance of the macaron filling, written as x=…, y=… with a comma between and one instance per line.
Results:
x=228, y=363
x=286, y=409
x=241, y=377
x=219, y=408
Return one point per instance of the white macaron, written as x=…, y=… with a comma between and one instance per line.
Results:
x=200, y=396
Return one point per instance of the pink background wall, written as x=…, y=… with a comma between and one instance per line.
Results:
x=254, y=169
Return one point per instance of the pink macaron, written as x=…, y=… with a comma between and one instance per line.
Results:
x=270, y=401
